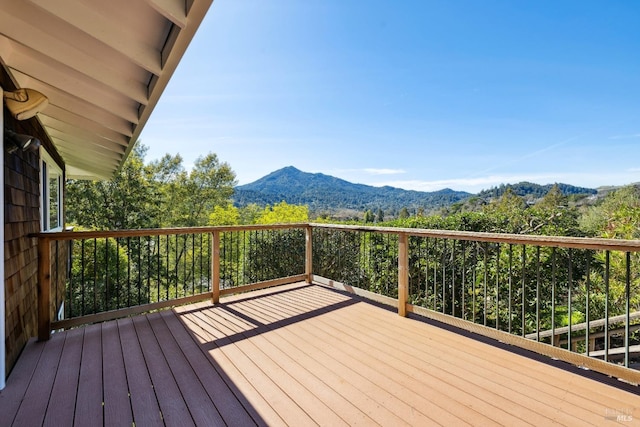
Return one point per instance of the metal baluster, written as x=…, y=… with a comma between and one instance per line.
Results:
x=83, y=286
x=453, y=278
x=524, y=291
x=606, y=306
x=570, y=285
x=588, y=289
x=69, y=306
x=627, y=292
x=484, y=295
x=464, y=276
x=106, y=274
x=95, y=275
x=498, y=251
x=553, y=296
x=473, y=280
x=139, y=270
x=538, y=293
x=510, y=285
x=128, y=271
x=444, y=274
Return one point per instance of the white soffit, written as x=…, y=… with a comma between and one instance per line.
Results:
x=102, y=64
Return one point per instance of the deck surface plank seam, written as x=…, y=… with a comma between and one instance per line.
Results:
x=319, y=388
x=455, y=374
x=276, y=394
x=243, y=378
x=144, y=401
x=497, y=370
x=201, y=408
x=350, y=361
x=393, y=407
x=36, y=399
x=174, y=409
x=349, y=342
x=531, y=368
x=234, y=408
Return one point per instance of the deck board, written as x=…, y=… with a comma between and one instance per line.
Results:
x=510, y=384
x=193, y=392
x=172, y=404
x=61, y=408
x=117, y=409
x=89, y=403
x=144, y=403
x=20, y=380
x=294, y=355
x=38, y=392
x=233, y=407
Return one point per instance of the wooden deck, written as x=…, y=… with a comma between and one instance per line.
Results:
x=294, y=355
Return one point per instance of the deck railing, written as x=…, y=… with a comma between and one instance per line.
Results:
x=113, y=274
x=568, y=298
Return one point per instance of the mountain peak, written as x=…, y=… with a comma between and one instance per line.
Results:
x=327, y=193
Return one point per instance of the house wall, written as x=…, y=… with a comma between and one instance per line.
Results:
x=21, y=218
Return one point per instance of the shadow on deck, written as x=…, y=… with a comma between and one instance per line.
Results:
x=296, y=355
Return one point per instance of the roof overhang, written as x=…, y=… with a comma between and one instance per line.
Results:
x=102, y=64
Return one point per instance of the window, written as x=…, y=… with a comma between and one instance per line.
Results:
x=51, y=191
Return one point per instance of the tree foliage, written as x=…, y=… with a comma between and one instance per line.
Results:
x=159, y=194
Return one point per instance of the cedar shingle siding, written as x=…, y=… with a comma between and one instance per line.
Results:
x=22, y=217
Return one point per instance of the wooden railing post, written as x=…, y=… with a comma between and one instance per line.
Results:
x=215, y=267
x=308, y=254
x=403, y=274
x=44, y=288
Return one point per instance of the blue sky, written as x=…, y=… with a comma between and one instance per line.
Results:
x=415, y=94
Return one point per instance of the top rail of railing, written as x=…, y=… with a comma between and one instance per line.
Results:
x=145, y=232
x=536, y=240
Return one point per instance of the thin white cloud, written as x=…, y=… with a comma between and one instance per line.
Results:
x=373, y=171
x=634, y=135
x=476, y=184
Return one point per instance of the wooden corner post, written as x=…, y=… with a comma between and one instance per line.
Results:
x=44, y=288
x=308, y=254
x=403, y=274
x=215, y=267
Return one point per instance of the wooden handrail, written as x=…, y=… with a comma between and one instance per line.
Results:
x=519, y=239
x=558, y=241
x=144, y=232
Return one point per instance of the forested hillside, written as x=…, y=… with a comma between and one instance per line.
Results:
x=324, y=193
x=534, y=191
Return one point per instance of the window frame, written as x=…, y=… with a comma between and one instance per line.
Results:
x=49, y=170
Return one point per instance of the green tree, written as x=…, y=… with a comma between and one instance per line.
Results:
x=507, y=213
x=282, y=213
x=368, y=216
x=552, y=216
x=249, y=214
x=126, y=201
x=209, y=184
x=160, y=194
x=224, y=215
